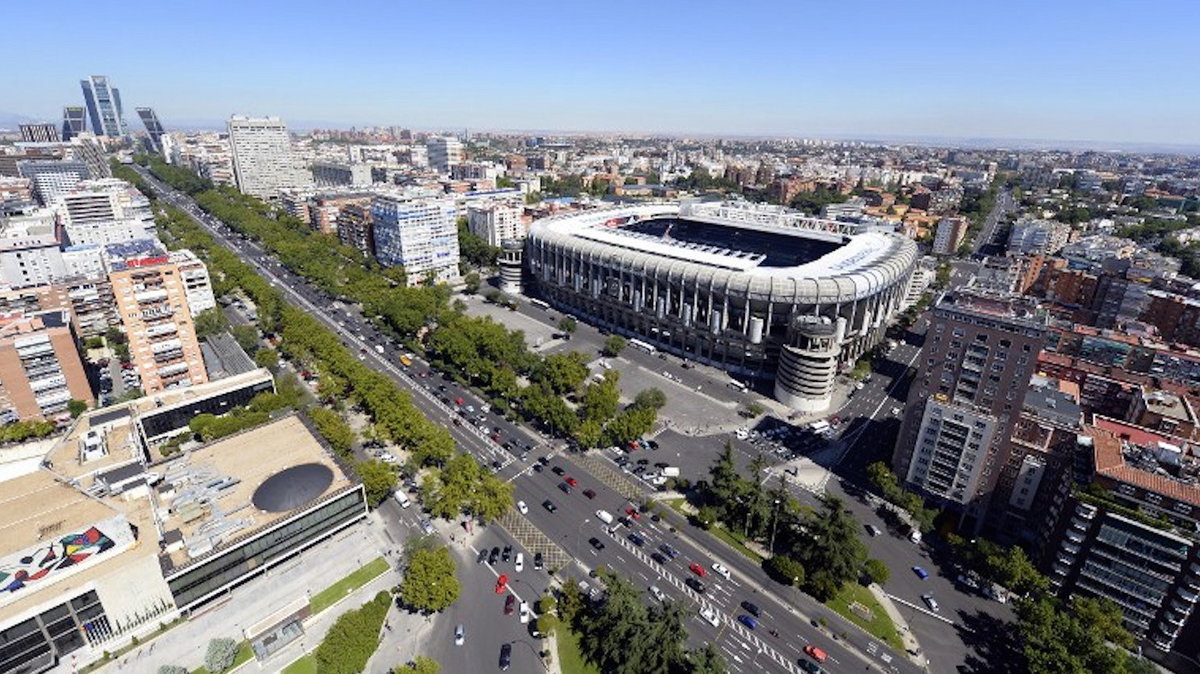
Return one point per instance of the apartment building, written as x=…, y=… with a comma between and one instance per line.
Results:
x=104, y=211
x=418, y=234
x=444, y=152
x=324, y=207
x=979, y=355
x=152, y=299
x=950, y=235
x=1130, y=537
x=53, y=177
x=41, y=366
x=356, y=228
x=335, y=174
x=495, y=223
x=1037, y=237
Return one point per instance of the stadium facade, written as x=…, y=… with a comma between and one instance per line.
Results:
x=760, y=291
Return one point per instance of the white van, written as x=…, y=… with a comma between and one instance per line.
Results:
x=604, y=516
x=402, y=499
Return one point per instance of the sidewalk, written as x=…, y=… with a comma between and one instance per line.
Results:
x=911, y=645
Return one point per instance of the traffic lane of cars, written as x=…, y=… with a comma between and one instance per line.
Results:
x=577, y=516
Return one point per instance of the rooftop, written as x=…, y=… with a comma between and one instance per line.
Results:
x=1167, y=404
x=1142, y=458
x=209, y=493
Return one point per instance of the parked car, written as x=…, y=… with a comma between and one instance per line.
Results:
x=658, y=557
x=549, y=505
x=695, y=584
x=930, y=601
x=460, y=635
x=510, y=604
x=522, y=507
x=483, y=555
x=505, y=657
x=596, y=543
x=698, y=569
x=921, y=572
x=721, y=570
x=752, y=609
x=710, y=616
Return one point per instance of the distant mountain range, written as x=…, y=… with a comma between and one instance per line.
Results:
x=10, y=120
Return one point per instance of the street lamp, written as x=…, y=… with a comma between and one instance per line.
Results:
x=774, y=525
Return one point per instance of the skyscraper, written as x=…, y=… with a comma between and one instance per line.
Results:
x=153, y=128
x=263, y=161
x=74, y=122
x=979, y=355
x=104, y=106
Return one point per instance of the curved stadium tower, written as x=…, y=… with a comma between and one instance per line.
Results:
x=759, y=291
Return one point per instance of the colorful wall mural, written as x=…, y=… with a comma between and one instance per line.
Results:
x=60, y=556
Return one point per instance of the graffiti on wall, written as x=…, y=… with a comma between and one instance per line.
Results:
x=44, y=561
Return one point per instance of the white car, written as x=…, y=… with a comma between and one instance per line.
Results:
x=895, y=411
x=710, y=615
x=520, y=563
x=522, y=507
x=657, y=594
x=721, y=570
x=460, y=635
x=525, y=612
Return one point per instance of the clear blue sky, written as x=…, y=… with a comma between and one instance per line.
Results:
x=1051, y=69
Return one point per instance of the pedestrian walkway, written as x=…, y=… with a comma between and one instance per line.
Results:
x=611, y=477
x=911, y=645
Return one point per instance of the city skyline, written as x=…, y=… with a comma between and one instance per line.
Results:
x=1063, y=72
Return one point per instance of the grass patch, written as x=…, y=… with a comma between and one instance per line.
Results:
x=332, y=594
x=243, y=656
x=305, y=664
x=733, y=539
x=570, y=657
x=880, y=625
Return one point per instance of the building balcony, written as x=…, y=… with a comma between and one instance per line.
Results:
x=149, y=296
x=1070, y=548
x=1187, y=595
x=161, y=329
x=1061, y=569
x=1085, y=511
x=172, y=370
x=157, y=312
x=1074, y=536
x=1066, y=559
x=1078, y=523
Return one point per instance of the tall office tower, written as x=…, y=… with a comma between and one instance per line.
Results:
x=154, y=128
x=444, y=152
x=263, y=161
x=52, y=178
x=41, y=367
x=152, y=301
x=103, y=103
x=979, y=355
x=417, y=234
x=74, y=121
x=42, y=132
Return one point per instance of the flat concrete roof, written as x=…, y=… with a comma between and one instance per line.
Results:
x=250, y=458
x=36, y=507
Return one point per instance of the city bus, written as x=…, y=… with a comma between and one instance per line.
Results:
x=641, y=346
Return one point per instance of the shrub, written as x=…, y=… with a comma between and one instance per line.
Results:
x=221, y=654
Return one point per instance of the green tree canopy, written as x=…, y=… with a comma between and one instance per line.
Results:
x=613, y=346
x=378, y=480
x=651, y=398
x=430, y=582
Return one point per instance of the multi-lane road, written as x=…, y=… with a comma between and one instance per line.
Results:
x=785, y=612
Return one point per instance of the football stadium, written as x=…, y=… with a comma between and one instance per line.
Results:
x=761, y=291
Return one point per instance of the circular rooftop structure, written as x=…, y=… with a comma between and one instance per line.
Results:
x=292, y=487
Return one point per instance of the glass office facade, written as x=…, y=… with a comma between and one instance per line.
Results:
x=34, y=645
x=156, y=424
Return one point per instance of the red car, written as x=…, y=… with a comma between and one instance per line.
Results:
x=571, y=481
x=632, y=512
x=502, y=584
x=509, y=603
x=698, y=569
x=458, y=401
x=815, y=653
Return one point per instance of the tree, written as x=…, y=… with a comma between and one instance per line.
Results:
x=377, y=478
x=629, y=425
x=471, y=283
x=567, y=324
x=247, y=337
x=546, y=624
x=570, y=603
x=1073, y=638
x=546, y=604
x=784, y=570
x=220, y=654
x=707, y=660
x=267, y=358
x=333, y=428
x=76, y=407
x=651, y=398
x=613, y=346
x=561, y=373
x=600, y=398
x=833, y=550
x=876, y=571
x=352, y=638
x=430, y=584
x=420, y=665
x=753, y=409
x=210, y=322
x=1011, y=568
x=173, y=669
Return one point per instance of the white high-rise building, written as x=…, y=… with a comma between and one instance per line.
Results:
x=263, y=160
x=104, y=211
x=417, y=234
x=495, y=222
x=444, y=152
